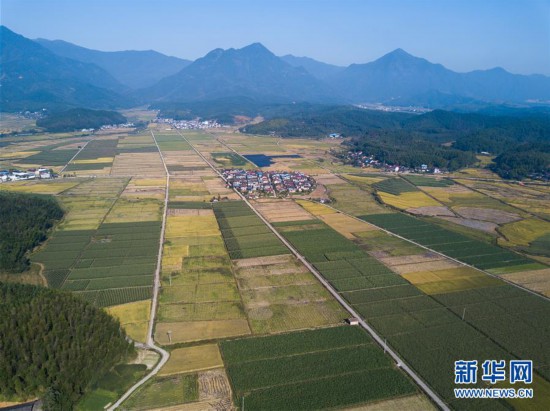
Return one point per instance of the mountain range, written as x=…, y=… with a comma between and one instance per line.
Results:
x=45, y=73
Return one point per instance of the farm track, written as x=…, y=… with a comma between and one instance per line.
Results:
x=77, y=153
x=381, y=342
x=164, y=355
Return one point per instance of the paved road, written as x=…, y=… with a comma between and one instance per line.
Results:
x=400, y=363
x=164, y=355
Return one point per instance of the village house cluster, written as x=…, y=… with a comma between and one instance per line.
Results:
x=364, y=160
x=188, y=124
x=31, y=174
x=270, y=183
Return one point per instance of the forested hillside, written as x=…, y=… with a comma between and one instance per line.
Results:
x=79, y=118
x=24, y=223
x=54, y=345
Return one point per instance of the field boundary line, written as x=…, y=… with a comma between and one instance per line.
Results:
x=77, y=153
x=150, y=344
x=444, y=255
x=381, y=342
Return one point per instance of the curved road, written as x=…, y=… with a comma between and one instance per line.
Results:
x=400, y=363
x=164, y=355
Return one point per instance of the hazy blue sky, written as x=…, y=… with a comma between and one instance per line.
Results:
x=461, y=34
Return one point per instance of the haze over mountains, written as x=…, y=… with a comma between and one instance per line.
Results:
x=45, y=73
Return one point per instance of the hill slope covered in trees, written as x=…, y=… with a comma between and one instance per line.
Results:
x=24, y=224
x=54, y=345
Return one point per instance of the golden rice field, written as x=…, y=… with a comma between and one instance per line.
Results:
x=404, y=201
x=134, y=318
x=40, y=186
x=346, y=225
x=316, y=209
x=133, y=210
x=366, y=179
x=450, y=280
x=192, y=359
x=521, y=233
x=200, y=330
x=94, y=160
x=138, y=164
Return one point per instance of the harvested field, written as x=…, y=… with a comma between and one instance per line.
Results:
x=316, y=209
x=486, y=226
x=411, y=259
x=346, y=225
x=328, y=179
x=259, y=261
x=537, y=280
x=139, y=188
x=138, y=164
x=214, y=385
x=200, y=330
x=487, y=214
x=191, y=359
x=280, y=294
x=410, y=403
x=431, y=211
x=281, y=210
x=426, y=266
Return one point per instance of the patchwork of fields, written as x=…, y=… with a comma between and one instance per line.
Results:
x=420, y=311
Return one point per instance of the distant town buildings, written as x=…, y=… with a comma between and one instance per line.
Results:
x=268, y=183
x=365, y=160
x=188, y=124
x=31, y=174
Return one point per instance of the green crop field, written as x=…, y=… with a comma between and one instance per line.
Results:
x=395, y=186
x=108, y=266
x=428, y=182
x=245, y=235
x=501, y=321
x=471, y=251
x=229, y=159
x=300, y=370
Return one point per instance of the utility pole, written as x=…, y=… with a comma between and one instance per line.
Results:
x=463, y=313
x=169, y=332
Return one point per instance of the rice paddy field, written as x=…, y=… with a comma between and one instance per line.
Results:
x=199, y=299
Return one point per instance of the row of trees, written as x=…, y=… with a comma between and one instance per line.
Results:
x=54, y=345
x=24, y=223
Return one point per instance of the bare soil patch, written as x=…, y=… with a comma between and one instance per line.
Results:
x=412, y=259
x=431, y=211
x=427, y=266
x=487, y=214
x=475, y=224
x=329, y=179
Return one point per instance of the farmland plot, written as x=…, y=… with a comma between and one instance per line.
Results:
x=313, y=369
x=414, y=322
x=199, y=299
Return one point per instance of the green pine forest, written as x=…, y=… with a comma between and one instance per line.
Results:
x=26, y=220
x=54, y=345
